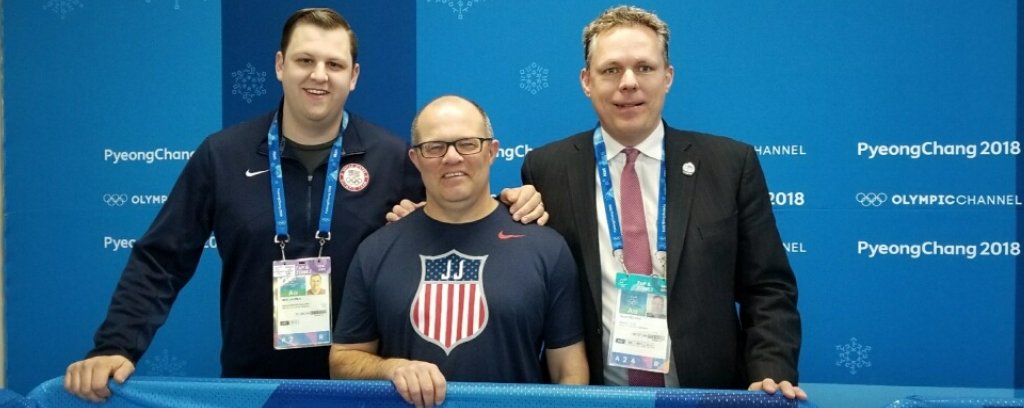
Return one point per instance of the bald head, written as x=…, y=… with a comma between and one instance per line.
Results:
x=450, y=107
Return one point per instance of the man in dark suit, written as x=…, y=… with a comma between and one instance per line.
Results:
x=732, y=316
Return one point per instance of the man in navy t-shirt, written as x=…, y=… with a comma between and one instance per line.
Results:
x=459, y=291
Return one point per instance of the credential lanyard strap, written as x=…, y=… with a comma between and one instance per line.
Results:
x=611, y=210
x=277, y=186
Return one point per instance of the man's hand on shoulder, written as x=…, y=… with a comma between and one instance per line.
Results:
x=525, y=204
x=87, y=379
x=769, y=386
x=402, y=209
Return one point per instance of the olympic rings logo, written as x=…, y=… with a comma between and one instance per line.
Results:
x=115, y=200
x=871, y=199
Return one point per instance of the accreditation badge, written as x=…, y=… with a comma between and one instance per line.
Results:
x=302, y=303
x=639, y=338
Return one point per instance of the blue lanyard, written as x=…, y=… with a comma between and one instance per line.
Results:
x=611, y=210
x=277, y=186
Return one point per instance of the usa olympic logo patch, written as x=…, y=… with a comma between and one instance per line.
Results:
x=354, y=177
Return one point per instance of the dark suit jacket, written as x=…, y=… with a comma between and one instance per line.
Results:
x=724, y=251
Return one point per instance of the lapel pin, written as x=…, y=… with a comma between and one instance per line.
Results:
x=689, y=168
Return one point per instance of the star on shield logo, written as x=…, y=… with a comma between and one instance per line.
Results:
x=450, y=307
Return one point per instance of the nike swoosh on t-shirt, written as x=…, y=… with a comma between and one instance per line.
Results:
x=503, y=235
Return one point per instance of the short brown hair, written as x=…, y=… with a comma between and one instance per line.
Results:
x=624, y=16
x=324, y=18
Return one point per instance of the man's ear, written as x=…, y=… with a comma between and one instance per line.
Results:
x=670, y=74
x=415, y=158
x=585, y=81
x=494, y=148
x=355, y=77
x=279, y=65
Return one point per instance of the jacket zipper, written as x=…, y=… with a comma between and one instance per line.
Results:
x=309, y=199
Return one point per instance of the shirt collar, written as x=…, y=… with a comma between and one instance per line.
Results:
x=653, y=145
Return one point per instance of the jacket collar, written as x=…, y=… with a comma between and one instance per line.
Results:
x=352, y=142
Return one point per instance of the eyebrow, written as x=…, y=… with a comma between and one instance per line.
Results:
x=319, y=56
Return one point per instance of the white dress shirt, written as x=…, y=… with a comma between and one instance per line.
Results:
x=648, y=169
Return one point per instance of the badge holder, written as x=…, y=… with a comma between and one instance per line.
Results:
x=302, y=302
x=639, y=338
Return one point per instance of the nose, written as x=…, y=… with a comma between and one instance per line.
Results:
x=319, y=73
x=628, y=81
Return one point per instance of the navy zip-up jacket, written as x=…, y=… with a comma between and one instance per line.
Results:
x=223, y=190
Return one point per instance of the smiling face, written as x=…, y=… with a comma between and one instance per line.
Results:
x=626, y=80
x=316, y=73
x=458, y=185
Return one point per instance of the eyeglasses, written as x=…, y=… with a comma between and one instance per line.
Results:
x=465, y=146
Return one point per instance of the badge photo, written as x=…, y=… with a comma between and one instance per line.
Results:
x=354, y=177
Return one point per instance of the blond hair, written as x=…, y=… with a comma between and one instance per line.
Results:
x=624, y=16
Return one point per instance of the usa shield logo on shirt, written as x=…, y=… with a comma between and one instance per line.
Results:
x=450, y=307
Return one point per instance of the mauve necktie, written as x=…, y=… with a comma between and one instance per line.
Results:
x=636, y=245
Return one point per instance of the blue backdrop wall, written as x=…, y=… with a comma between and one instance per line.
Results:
x=888, y=130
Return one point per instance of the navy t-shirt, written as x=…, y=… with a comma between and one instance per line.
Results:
x=480, y=300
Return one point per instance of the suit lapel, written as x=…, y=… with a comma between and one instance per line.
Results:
x=678, y=153
x=581, y=174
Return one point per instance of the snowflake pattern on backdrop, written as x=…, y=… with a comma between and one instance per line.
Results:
x=162, y=365
x=533, y=78
x=62, y=7
x=177, y=4
x=459, y=7
x=853, y=355
x=249, y=83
